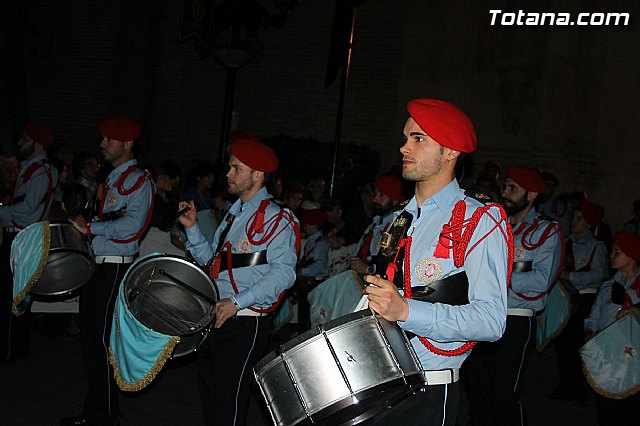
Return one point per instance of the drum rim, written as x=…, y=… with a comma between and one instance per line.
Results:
x=92, y=269
x=155, y=256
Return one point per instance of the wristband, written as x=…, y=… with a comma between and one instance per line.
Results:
x=235, y=302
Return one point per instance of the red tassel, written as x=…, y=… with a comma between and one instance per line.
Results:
x=442, y=251
x=391, y=271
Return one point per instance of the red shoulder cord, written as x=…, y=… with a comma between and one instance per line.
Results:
x=553, y=226
x=122, y=191
x=256, y=225
x=459, y=242
x=27, y=175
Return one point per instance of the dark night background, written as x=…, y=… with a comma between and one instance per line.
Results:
x=561, y=98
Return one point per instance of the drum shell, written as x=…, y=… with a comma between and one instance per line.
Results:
x=349, y=368
x=70, y=263
x=155, y=299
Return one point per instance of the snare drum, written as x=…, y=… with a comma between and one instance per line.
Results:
x=173, y=296
x=70, y=264
x=341, y=372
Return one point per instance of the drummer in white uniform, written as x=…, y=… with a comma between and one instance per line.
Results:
x=455, y=259
x=29, y=201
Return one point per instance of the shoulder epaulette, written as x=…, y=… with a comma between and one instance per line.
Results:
x=478, y=196
x=400, y=206
x=277, y=202
x=547, y=218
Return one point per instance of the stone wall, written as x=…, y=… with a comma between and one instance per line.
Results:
x=563, y=99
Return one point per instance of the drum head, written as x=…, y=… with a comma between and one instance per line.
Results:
x=171, y=295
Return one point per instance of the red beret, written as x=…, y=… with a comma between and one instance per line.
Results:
x=38, y=134
x=444, y=123
x=255, y=154
x=391, y=187
x=629, y=243
x=546, y=176
x=122, y=129
x=313, y=216
x=528, y=178
x=589, y=212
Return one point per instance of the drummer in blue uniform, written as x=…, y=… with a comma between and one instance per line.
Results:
x=29, y=201
x=253, y=261
x=456, y=264
x=619, y=296
x=495, y=370
x=124, y=212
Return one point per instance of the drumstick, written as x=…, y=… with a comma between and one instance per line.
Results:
x=182, y=211
x=187, y=286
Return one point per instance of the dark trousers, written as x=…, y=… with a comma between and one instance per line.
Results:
x=493, y=374
x=15, y=331
x=618, y=412
x=225, y=368
x=571, y=380
x=97, y=301
x=432, y=406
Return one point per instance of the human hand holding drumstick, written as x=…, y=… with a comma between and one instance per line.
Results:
x=187, y=214
x=385, y=299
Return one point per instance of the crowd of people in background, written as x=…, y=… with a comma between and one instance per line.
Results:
x=342, y=234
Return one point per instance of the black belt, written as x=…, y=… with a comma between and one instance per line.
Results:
x=453, y=290
x=241, y=260
x=523, y=266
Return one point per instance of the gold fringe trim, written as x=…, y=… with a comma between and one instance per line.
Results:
x=151, y=374
x=606, y=393
x=560, y=329
x=46, y=241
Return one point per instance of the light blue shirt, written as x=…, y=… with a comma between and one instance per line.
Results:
x=545, y=261
x=34, y=191
x=603, y=311
x=582, y=252
x=317, y=250
x=138, y=205
x=486, y=266
x=258, y=286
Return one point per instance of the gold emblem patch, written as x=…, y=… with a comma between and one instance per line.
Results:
x=112, y=200
x=244, y=246
x=428, y=270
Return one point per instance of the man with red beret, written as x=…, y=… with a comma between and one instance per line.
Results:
x=618, y=296
x=447, y=282
x=28, y=201
x=495, y=370
x=387, y=197
x=125, y=210
x=550, y=205
x=585, y=267
x=258, y=240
